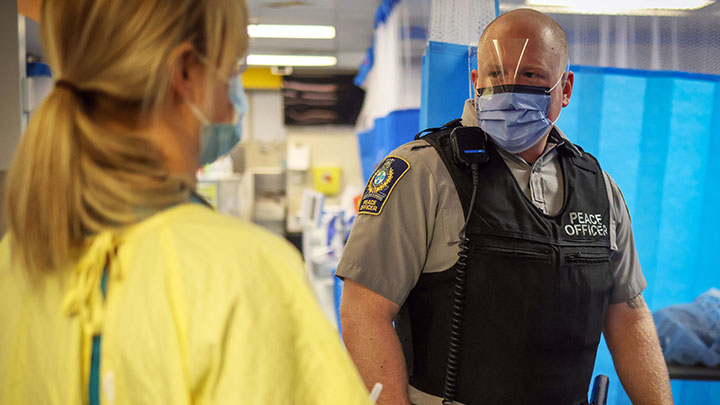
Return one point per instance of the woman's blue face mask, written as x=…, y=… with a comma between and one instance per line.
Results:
x=514, y=116
x=218, y=139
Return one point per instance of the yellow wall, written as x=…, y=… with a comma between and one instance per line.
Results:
x=30, y=8
x=257, y=78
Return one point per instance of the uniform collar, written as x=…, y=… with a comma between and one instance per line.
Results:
x=469, y=119
x=557, y=136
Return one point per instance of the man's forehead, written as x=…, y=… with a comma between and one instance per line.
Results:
x=510, y=44
x=541, y=30
x=515, y=49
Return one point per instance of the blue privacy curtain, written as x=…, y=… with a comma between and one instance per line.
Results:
x=658, y=136
x=386, y=134
x=455, y=27
x=446, y=82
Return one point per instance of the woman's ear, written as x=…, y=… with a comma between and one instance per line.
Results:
x=187, y=73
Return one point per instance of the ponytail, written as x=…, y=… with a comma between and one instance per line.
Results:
x=42, y=185
x=72, y=177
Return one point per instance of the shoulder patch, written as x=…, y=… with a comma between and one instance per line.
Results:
x=381, y=184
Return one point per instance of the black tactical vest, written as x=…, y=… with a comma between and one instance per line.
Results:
x=536, y=294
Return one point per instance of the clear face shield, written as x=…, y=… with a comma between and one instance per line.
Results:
x=514, y=82
x=518, y=64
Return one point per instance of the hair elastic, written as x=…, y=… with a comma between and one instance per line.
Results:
x=66, y=84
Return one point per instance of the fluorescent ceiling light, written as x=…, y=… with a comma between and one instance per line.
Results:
x=618, y=6
x=291, y=31
x=291, y=60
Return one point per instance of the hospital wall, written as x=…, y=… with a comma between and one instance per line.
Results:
x=11, y=47
x=10, y=107
x=329, y=146
x=265, y=144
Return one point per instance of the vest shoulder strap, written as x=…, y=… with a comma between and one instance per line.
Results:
x=450, y=125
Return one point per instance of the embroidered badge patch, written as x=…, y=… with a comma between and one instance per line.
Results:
x=381, y=184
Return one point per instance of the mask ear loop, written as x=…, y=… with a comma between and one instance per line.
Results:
x=564, y=75
x=198, y=114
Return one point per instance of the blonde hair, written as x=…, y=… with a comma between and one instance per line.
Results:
x=80, y=167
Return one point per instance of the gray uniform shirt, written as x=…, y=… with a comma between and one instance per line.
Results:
x=418, y=229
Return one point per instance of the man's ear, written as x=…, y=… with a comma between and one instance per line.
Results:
x=474, y=77
x=183, y=64
x=567, y=88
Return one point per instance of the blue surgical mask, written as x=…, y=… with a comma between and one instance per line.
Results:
x=514, y=116
x=218, y=139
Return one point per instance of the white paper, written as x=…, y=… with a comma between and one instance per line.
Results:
x=298, y=156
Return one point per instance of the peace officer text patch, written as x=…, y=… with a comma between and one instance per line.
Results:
x=381, y=184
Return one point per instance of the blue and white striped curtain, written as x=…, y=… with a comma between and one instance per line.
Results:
x=391, y=77
x=455, y=28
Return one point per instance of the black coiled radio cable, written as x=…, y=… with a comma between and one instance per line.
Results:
x=458, y=314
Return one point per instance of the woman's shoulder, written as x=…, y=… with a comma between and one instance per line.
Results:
x=197, y=233
x=198, y=218
x=212, y=259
